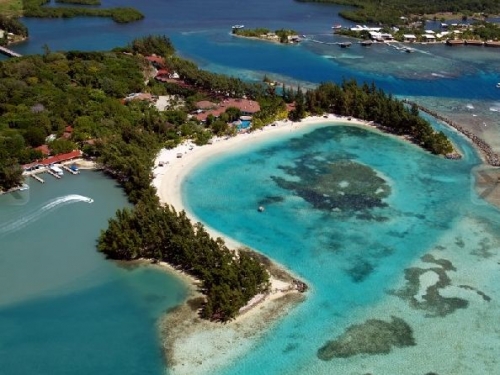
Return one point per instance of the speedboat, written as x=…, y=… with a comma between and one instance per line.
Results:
x=238, y=26
x=498, y=85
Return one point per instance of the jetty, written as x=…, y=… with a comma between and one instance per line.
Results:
x=490, y=156
x=9, y=52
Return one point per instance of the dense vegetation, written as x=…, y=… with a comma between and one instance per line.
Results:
x=11, y=8
x=281, y=34
x=389, y=12
x=34, y=8
x=157, y=232
x=368, y=103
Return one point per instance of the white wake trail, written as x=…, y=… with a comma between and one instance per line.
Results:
x=39, y=212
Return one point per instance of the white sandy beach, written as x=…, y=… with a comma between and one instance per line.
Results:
x=168, y=178
x=194, y=346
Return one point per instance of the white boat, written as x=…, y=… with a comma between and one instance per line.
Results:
x=498, y=85
x=56, y=170
x=238, y=26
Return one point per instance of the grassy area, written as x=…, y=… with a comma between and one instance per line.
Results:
x=11, y=7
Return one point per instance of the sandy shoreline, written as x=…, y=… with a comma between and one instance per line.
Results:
x=196, y=346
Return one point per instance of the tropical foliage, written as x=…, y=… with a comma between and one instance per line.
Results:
x=151, y=231
x=368, y=103
x=389, y=12
x=35, y=8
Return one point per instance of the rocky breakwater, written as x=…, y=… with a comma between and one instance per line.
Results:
x=490, y=156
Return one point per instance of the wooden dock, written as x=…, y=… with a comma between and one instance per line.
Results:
x=9, y=52
x=70, y=170
x=53, y=174
x=39, y=179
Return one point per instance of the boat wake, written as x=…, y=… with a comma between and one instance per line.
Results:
x=40, y=212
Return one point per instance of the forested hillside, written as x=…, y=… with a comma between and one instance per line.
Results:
x=389, y=12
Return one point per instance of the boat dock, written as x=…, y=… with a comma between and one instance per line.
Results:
x=52, y=173
x=38, y=178
x=72, y=171
x=9, y=52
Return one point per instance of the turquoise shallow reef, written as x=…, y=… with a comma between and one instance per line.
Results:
x=394, y=243
x=385, y=234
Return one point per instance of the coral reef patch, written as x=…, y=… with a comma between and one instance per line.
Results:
x=371, y=337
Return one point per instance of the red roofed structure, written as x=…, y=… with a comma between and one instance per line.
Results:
x=157, y=61
x=55, y=159
x=44, y=149
x=247, y=107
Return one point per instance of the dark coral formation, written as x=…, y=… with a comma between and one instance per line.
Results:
x=483, y=295
x=432, y=302
x=339, y=185
x=371, y=337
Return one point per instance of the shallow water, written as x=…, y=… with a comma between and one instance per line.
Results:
x=63, y=307
x=352, y=257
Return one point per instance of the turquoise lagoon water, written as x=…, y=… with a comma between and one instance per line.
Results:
x=64, y=309
x=354, y=257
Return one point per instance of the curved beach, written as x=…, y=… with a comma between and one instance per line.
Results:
x=195, y=346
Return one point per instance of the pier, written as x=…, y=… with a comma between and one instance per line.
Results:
x=53, y=174
x=9, y=52
x=66, y=168
x=39, y=179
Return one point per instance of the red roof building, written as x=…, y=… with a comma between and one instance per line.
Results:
x=55, y=159
x=247, y=107
x=68, y=131
x=157, y=61
x=44, y=149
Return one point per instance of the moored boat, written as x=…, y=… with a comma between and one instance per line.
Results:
x=345, y=44
x=491, y=43
x=474, y=42
x=454, y=42
x=237, y=26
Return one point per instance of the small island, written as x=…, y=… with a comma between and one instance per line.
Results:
x=283, y=36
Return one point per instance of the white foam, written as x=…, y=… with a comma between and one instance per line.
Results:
x=39, y=212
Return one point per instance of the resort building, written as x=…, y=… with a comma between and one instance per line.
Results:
x=429, y=37
x=206, y=108
x=60, y=158
x=409, y=38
